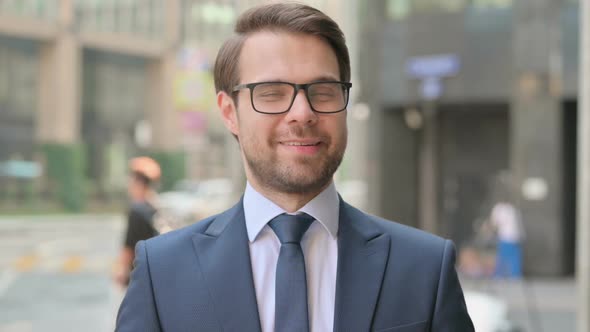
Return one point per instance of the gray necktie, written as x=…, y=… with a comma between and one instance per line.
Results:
x=291, y=282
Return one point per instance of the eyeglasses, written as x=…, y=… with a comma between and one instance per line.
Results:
x=278, y=97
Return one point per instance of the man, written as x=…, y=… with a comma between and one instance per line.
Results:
x=144, y=172
x=291, y=255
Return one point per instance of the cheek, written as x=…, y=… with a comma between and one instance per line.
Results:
x=257, y=129
x=338, y=130
x=343, y=125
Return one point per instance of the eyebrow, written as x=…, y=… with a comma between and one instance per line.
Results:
x=317, y=79
x=326, y=78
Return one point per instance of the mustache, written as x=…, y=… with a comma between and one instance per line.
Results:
x=301, y=132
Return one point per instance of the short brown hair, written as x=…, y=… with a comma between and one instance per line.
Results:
x=287, y=17
x=142, y=178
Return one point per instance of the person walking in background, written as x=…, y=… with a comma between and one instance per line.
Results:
x=144, y=173
x=504, y=224
x=291, y=255
x=505, y=219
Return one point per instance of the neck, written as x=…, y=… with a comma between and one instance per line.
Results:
x=144, y=196
x=290, y=202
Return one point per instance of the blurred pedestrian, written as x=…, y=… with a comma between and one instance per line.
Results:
x=505, y=219
x=506, y=224
x=144, y=173
x=291, y=255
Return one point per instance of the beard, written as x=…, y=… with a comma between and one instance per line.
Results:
x=304, y=175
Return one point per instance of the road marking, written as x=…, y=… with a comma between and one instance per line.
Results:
x=6, y=279
x=26, y=263
x=72, y=264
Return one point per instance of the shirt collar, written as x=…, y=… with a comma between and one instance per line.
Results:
x=259, y=210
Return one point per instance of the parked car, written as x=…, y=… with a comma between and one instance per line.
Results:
x=192, y=200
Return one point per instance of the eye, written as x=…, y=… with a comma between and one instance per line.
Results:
x=325, y=89
x=326, y=93
x=271, y=94
x=272, y=91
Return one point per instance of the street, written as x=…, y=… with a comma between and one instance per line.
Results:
x=55, y=273
x=55, y=277
x=540, y=305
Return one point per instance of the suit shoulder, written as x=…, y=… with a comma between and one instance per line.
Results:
x=395, y=228
x=177, y=236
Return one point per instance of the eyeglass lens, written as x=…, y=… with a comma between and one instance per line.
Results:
x=277, y=97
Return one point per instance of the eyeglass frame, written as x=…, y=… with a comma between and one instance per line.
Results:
x=297, y=87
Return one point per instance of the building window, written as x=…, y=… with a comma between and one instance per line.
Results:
x=41, y=9
x=143, y=18
x=18, y=77
x=491, y=4
x=400, y=9
x=3, y=78
x=208, y=21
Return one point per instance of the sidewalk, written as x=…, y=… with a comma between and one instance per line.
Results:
x=538, y=305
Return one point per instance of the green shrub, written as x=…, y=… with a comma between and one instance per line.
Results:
x=65, y=164
x=173, y=164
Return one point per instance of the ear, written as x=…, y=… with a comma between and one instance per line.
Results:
x=228, y=112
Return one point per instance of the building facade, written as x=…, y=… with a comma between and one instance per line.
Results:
x=84, y=86
x=461, y=92
x=87, y=84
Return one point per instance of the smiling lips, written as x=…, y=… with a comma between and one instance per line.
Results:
x=307, y=146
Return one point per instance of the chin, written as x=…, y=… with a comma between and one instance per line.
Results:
x=303, y=184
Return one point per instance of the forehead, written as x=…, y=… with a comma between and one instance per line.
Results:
x=284, y=56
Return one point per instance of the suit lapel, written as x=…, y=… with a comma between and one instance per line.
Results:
x=363, y=251
x=224, y=258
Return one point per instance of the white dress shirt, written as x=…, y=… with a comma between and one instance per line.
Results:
x=320, y=248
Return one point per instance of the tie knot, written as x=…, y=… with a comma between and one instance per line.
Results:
x=290, y=228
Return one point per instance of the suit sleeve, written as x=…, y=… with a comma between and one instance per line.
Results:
x=450, y=313
x=138, y=309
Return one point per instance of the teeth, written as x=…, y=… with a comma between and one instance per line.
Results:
x=297, y=144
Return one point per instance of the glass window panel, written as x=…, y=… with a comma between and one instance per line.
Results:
x=108, y=17
x=40, y=8
x=485, y=4
x=142, y=18
x=398, y=9
x=24, y=81
x=158, y=14
x=438, y=5
x=27, y=8
x=3, y=78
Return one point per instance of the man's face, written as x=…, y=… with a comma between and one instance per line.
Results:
x=297, y=151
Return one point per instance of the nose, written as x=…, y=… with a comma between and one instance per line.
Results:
x=301, y=110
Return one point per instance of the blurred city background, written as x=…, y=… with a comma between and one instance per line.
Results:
x=455, y=103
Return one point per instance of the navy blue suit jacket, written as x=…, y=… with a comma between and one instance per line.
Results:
x=390, y=277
